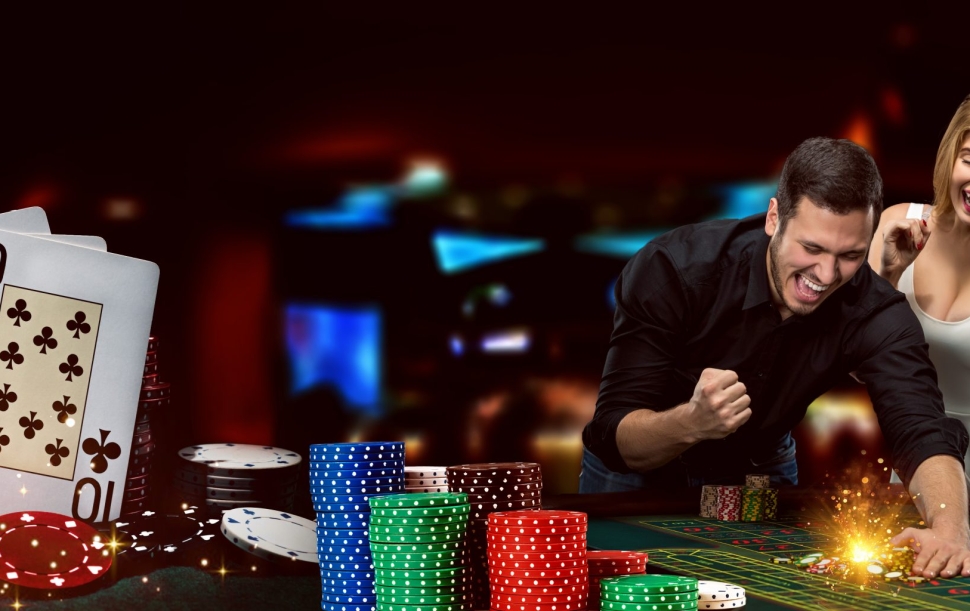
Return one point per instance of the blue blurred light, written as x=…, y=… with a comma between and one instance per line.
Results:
x=457, y=345
x=424, y=179
x=623, y=245
x=337, y=219
x=358, y=209
x=459, y=252
x=744, y=199
x=340, y=346
x=611, y=293
x=507, y=341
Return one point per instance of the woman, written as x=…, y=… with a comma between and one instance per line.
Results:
x=937, y=281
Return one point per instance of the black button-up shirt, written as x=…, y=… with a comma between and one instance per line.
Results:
x=699, y=297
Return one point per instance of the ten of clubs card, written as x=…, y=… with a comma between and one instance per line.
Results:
x=74, y=326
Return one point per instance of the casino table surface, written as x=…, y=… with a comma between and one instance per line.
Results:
x=679, y=542
x=666, y=526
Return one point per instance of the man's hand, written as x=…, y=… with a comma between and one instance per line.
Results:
x=719, y=405
x=937, y=552
x=902, y=242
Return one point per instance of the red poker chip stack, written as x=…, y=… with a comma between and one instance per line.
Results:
x=155, y=398
x=611, y=563
x=491, y=487
x=729, y=503
x=537, y=560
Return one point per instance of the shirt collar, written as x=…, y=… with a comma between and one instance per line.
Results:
x=758, y=290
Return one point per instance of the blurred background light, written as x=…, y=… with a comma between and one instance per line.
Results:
x=457, y=252
x=338, y=346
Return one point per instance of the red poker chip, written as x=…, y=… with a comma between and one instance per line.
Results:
x=533, y=599
x=149, y=405
x=156, y=391
x=538, y=539
x=143, y=427
x=540, y=590
x=536, y=566
x=525, y=547
x=532, y=531
x=140, y=439
x=143, y=449
x=134, y=505
x=136, y=482
x=49, y=551
x=539, y=556
x=541, y=519
x=150, y=380
x=575, y=605
x=617, y=571
x=151, y=357
x=537, y=582
x=153, y=343
x=616, y=557
x=573, y=576
x=136, y=493
x=151, y=368
x=138, y=470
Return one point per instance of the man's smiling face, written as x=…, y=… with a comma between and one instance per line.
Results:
x=817, y=252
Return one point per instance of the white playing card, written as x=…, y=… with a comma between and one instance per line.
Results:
x=74, y=326
x=33, y=221
x=25, y=220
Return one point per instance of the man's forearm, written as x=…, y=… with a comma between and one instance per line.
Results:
x=939, y=490
x=647, y=439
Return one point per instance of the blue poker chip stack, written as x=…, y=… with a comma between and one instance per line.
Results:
x=343, y=478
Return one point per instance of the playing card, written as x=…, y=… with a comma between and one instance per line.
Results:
x=25, y=220
x=33, y=221
x=74, y=326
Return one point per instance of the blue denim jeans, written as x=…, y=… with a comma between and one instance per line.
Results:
x=595, y=477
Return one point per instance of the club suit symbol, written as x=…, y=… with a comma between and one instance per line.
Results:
x=102, y=452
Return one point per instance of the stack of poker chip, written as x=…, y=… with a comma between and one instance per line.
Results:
x=728, y=503
x=642, y=592
x=218, y=477
x=770, y=504
x=537, y=560
x=709, y=501
x=425, y=479
x=757, y=481
x=752, y=504
x=418, y=542
x=155, y=398
x=343, y=478
x=492, y=487
x=611, y=563
x=720, y=595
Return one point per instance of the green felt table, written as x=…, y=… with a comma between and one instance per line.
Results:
x=679, y=542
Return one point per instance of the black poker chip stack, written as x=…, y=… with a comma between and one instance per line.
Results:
x=155, y=398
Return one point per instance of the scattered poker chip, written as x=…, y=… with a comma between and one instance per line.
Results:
x=891, y=575
x=875, y=569
x=808, y=559
x=781, y=560
x=232, y=459
x=50, y=551
x=272, y=535
x=150, y=534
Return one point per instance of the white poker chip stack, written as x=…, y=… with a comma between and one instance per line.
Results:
x=709, y=502
x=425, y=479
x=719, y=595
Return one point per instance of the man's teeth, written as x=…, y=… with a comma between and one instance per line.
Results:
x=818, y=288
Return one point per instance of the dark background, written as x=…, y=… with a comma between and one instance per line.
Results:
x=185, y=134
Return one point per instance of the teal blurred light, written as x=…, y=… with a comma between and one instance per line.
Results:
x=456, y=252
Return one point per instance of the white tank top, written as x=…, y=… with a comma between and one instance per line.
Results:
x=949, y=345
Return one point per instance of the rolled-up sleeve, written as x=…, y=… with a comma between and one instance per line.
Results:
x=651, y=305
x=899, y=376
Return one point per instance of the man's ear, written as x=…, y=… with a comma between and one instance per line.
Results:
x=771, y=221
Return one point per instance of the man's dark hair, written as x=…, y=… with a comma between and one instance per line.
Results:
x=837, y=175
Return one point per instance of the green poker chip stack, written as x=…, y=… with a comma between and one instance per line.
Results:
x=753, y=504
x=648, y=593
x=418, y=545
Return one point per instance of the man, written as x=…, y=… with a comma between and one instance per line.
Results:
x=726, y=331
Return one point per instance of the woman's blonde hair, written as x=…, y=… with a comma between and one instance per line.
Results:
x=946, y=156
